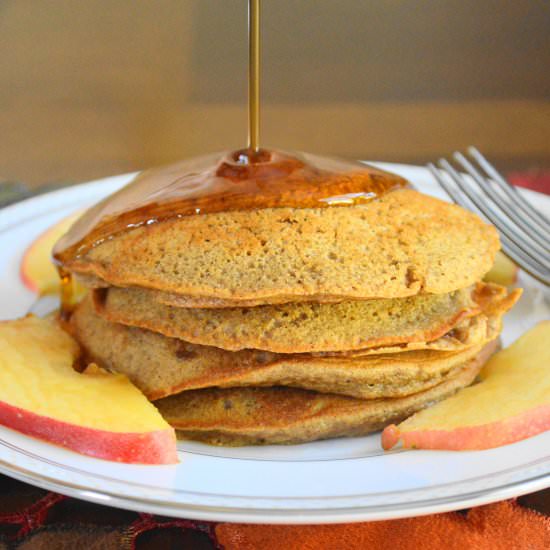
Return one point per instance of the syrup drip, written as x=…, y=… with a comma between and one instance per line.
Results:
x=66, y=293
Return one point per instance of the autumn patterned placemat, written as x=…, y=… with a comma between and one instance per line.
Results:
x=33, y=519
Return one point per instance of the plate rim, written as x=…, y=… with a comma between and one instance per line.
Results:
x=281, y=515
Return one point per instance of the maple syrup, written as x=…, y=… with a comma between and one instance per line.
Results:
x=254, y=75
x=66, y=293
x=235, y=181
x=248, y=179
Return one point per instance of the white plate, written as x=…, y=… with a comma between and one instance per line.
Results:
x=331, y=481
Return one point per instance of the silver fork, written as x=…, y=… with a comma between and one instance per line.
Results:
x=524, y=231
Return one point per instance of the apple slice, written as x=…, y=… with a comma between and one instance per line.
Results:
x=504, y=271
x=94, y=413
x=512, y=402
x=37, y=270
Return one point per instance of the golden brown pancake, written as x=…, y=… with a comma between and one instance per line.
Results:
x=401, y=245
x=255, y=313
x=494, y=301
x=294, y=328
x=261, y=416
x=300, y=328
x=162, y=366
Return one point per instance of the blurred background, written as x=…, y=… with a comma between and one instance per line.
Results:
x=98, y=87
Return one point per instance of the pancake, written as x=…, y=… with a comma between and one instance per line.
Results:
x=300, y=328
x=494, y=302
x=262, y=416
x=162, y=366
x=294, y=328
x=401, y=245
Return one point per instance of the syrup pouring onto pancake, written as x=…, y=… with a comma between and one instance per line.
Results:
x=338, y=296
x=247, y=179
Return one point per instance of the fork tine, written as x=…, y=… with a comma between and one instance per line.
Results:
x=511, y=191
x=449, y=189
x=537, y=254
x=510, y=212
x=509, y=248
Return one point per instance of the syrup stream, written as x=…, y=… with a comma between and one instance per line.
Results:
x=254, y=75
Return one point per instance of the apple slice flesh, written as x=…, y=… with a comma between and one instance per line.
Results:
x=504, y=271
x=37, y=269
x=512, y=402
x=94, y=413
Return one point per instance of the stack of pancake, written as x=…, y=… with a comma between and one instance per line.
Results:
x=286, y=325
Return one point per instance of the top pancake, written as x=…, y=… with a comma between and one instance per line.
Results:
x=401, y=245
